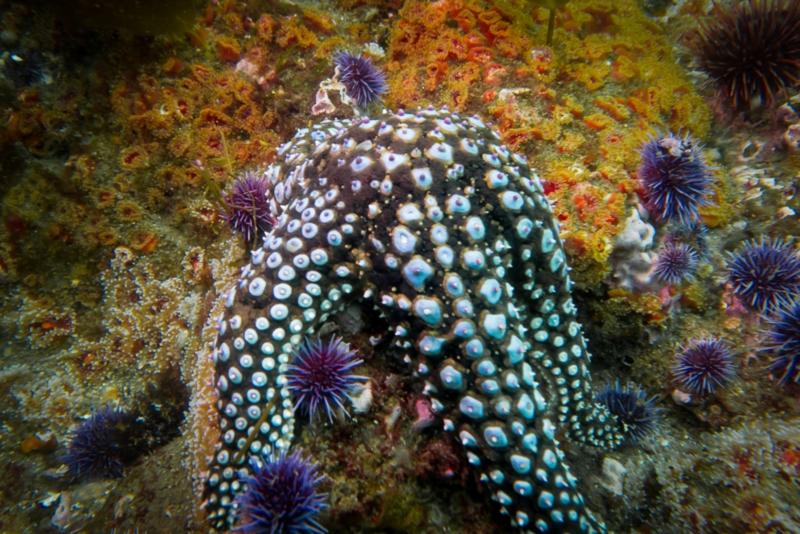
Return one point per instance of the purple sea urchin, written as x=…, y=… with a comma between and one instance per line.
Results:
x=751, y=50
x=100, y=445
x=764, y=274
x=363, y=82
x=675, y=263
x=692, y=233
x=703, y=366
x=783, y=343
x=282, y=497
x=320, y=376
x=674, y=178
x=247, y=206
x=631, y=405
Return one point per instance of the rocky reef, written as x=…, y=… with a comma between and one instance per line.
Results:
x=120, y=153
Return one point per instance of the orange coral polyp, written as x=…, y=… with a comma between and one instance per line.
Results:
x=265, y=28
x=145, y=242
x=154, y=123
x=149, y=88
x=234, y=23
x=292, y=32
x=436, y=72
x=134, y=157
x=212, y=117
x=172, y=66
x=169, y=175
x=614, y=107
x=479, y=54
x=318, y=20
x=202, y=73
x=500, y=28
x=515, y=138
x=182, y=108
x=623, y=69
x=465, y=20
x=457, y=49
x=187, y=85
x=228, y=49
x=473, y=39
x=494, y=74
x=192, y=177
x=129, y=211
x=489, y=17
x=598, y=121
x=179, y=145
x=584, y=204
x=105, y=198
x=107, y=238
x=210, y=142
x=459, y=97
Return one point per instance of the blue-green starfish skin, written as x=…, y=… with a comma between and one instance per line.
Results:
x=430, y=219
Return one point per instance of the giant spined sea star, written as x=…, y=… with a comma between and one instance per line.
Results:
x=429, y=218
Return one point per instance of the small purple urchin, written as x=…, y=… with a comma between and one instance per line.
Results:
x=247, y=206
x=99, y=446
x=783, y=343
x=632, y=406
x=362, y=81
x=281, y=497
x=320, y=375
x=764, y=274
x=703, y=366
x=692, y=233
x=674, y=178
x=675, y=263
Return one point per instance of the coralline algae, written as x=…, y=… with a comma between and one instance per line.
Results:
x=429, y=219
